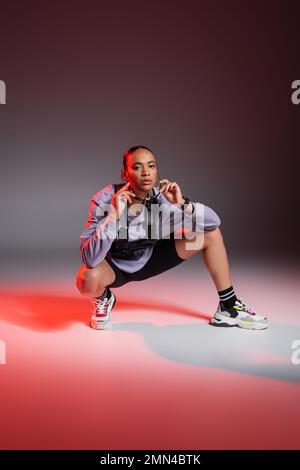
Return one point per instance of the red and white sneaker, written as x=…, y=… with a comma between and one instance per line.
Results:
x=240, y=315
x=101, y=319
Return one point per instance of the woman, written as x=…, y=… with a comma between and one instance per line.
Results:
x=117, y=248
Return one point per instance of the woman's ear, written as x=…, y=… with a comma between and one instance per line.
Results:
x=123, y=175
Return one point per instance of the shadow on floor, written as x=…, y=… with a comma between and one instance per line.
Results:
x=46, y=313
x=266, y=353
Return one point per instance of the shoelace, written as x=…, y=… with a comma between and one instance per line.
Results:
x=101, y=305
x=246, y=306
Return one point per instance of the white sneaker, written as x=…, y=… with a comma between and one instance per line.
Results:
x=101, y=319
x=240, y=315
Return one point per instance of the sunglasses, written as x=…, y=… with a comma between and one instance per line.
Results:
x=151, y=199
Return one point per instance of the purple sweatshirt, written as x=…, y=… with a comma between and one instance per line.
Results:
x=102, y=228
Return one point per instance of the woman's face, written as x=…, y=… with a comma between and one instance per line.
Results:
x=141, y=170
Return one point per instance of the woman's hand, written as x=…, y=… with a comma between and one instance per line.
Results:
x=120, y=198
x=172, y=192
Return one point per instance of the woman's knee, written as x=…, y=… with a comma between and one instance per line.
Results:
x=212, y=236
x=87, y=279
x=90, y=279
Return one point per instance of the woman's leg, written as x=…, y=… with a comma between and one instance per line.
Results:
x=91, y=282
x=214, y=255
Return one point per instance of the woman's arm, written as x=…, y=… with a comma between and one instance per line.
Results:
x=201, y=217
x=100, y=230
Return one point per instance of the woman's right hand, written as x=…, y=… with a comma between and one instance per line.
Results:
x=120, y=198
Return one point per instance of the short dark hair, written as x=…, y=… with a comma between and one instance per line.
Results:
x=129, y=152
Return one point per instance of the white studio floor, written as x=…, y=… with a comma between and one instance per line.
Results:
x=162, y=378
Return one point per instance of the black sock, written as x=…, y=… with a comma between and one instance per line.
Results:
x=227, y=297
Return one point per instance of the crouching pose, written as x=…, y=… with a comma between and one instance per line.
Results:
x=145, y=226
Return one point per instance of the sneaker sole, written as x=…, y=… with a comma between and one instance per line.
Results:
x=103, y=324
x=228, y=322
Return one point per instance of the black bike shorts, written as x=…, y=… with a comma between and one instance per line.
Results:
x=164, y=257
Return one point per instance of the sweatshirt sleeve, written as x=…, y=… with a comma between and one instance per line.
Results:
x=202, y=219
x=100, y=230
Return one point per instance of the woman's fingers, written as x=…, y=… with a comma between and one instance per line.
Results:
x=166, y=181
x=124, y=189
x=168, y=187
x=129, y=194
x=129, y=199
x=121, y=190
x=126, y=195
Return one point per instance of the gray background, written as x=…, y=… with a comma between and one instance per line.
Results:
x=206, y=86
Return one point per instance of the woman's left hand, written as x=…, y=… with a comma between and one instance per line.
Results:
x=172, y=192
